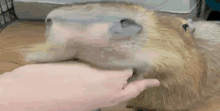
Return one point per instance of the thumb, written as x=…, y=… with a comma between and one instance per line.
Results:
x=133, y=89
x=136, y=87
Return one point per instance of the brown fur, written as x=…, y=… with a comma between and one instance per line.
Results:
x=179, y=67
x=188, y=72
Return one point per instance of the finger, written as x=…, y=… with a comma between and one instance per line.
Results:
x=141, y=85
x=135, y=88
x=125, y=74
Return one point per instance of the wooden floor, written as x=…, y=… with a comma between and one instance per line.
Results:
x=22, y=33
x=18, y=34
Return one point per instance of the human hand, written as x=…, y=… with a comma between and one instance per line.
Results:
x=58, y=87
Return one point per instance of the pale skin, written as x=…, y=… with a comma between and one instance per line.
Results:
x=59, y=87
